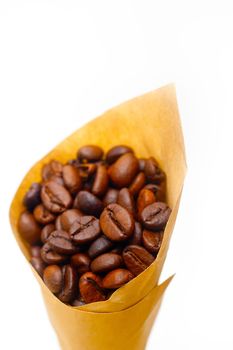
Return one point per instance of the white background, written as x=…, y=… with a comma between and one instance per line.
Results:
x=63, y=63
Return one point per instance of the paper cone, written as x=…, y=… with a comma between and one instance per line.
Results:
x=150, y=124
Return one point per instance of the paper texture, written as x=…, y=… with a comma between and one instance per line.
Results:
x=150, y=124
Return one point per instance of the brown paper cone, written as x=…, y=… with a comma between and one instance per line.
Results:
x=150, y=124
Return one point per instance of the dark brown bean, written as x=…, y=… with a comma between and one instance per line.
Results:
x=43, y=215
x=38, y=264
x=35, y=251
x=89, y=203
x=90, y=286
x=100, y=184
x=158, y=190
x=116, y=152
x=90, y=153
x=68, y=291
x=53, y=278
x=126, y=200
x=137, y=184
x=155, y=216
x=137, y=259
x=46, y=231
x=145, y=198
x=110, y=197
x=58, y=223
x=85, y=229
x=60, y=241
x=137, y=235
x=72, y=179
x=32, y=197
x=55, y=197
x=68, y=218
x=153, y=172
x=124, y=170
x=81, y=262
x=99, y=246
x=106, y=262
x=116, y=222
x=54, y=168
x=50, y=256
x=117, y=278
x=29, y=228
x=152, y=241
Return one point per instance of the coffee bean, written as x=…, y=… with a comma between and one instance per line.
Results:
x=46, y=231
x=116, y=152
x=69, y=282
x=145, y=198
x=90, y=286
x=116, y=222
x=158, y=190
x=106, y=262
x=43, y=215
x=58, y=223
x=52, y=277
x=100, y=184
x=50, y=256
x=153, y=172
x=88, y=203
x=152, y=241
x=126, y=200
x=90, y=153
x=35, y=251
x=29, y=228
x=137, y=235
x=85, y=229
x=78, y=302
x=60, y=241
x=81, y=262
x=137, y=184
x=68, y=218
x=32, y=197
x=55, y=197
x=38, y=264
x=117, y=278
x=124, y=170
x=155, y=216
x=142, y=163
x=72, y=179
x=58, y=179
x=54, y=168
x=110, y=197
x=137, y=259
x=99, y=246
x=86, y=170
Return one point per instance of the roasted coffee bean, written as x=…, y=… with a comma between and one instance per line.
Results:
x=137, y=184
x=110, y=197
x=68, y=218
x=117, y=278
x=43, y=215
x=87, y=170
x=153, y=172
x=50, y=256
x=152, y=240
x=85, y=229
x=61, y=242
x=100, y=184
x=89, y=203
x=124, y=170
x=81, y=262
x=38, y=264
x=137, y=259
x=53, y=278
x=126, y=200
x=58, y=223
x=142, y=163
x=106, y=262
x=90, y=286
x=90, y=153
x=55, y=197
x=116, y=152
x=99, y=246
x=35, y=250
x=72, y=179
x=137, y=235
x=155, y=216
x=32, y=197
x=78, y=302
x=58, y=179
x=158, y=190
x=69, y=284
x=116, y=222
x=145, y=198
x=54, y=168
x=46, y=231
x=29, y=228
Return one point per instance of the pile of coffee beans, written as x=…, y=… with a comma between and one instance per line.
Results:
x=95, y=222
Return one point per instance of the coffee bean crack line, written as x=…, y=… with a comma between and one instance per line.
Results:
x=116, y=222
